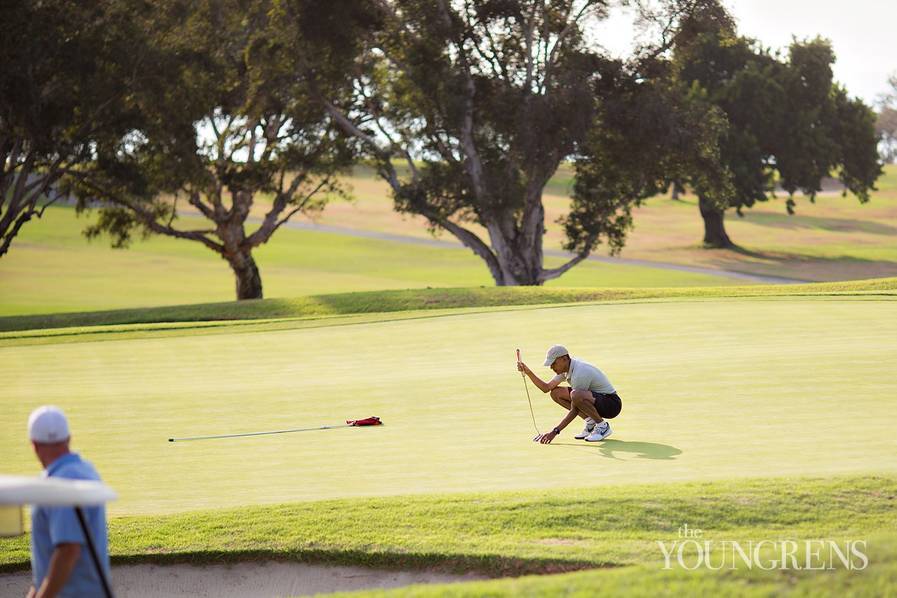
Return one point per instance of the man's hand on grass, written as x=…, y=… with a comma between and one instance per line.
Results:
x=547, y=437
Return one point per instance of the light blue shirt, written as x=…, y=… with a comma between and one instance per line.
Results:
x=59, y=525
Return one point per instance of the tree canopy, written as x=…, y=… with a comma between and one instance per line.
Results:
x=242, y=113
x=64, y=85
x=789, y=123
x=484, y=99
x=233, y=117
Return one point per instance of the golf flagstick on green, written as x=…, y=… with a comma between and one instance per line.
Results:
x=350, y=423
x=528, y=400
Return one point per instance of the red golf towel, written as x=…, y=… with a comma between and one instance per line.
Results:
x=368, y=421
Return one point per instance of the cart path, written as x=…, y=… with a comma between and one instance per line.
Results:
x=396, y=238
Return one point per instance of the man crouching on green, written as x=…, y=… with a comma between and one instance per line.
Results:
x=591, y=396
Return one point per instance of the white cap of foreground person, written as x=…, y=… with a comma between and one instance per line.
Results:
x=47, y=425
x=553, y=353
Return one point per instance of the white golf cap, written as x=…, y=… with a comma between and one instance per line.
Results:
x=48, y=425
x=555, y=352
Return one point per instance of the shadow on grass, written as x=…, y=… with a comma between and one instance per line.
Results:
x=799, y=266
x=489, y=565
x=831, y=224
x=617, y=449
x=613, y=449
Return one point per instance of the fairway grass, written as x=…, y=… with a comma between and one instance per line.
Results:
x=753, y=412
x=374, y=302
x=712, y=389
x=759, y=413
x=835, y=238
x=52, y=268
x=612, y=531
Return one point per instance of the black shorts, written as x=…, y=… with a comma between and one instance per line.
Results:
x=608, y=406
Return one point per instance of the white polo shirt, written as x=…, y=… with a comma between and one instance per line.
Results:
x=585, y=376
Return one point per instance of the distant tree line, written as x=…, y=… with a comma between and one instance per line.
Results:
x=466, y=108
x=788, y=124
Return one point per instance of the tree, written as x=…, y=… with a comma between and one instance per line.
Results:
x=63, y=85
x=788, y=121
x=483, y=99
x=648, y=135
x=232, y=117
x=886, y=123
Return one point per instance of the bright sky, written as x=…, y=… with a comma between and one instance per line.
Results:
x=863, y=34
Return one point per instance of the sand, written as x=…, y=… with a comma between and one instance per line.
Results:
x=246, y=579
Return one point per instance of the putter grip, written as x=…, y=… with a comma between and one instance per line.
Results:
x=518, y=355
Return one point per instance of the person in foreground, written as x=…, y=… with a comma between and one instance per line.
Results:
x=590, y=396
x=60, y=561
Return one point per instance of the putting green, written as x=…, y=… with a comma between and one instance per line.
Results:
x=711, y=388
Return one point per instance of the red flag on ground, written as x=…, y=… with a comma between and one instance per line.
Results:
x=368, y=421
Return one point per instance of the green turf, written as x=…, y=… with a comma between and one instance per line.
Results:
x=614, y=529
x=379, y=302
x=878, y=580
x=712, y=389
x=52, y=268
x=528, y=530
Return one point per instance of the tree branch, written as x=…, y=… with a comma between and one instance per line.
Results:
x=472, y=242
x=528, y=39
x=174, y=210
x=347, y=125
x=497, y=66
x=148, y=219
x=14, y=197
x=473, y=162
x=195, y=200
x=553, y=273
x=551, y=60
x=294, y=211
x=384, y=157
x=270, y=224
x=43, y=208
x=6, y=238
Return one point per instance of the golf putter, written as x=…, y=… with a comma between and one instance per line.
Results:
x=529, y=401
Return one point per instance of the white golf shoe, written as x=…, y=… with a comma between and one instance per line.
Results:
x=590, y=425
x=601, y=432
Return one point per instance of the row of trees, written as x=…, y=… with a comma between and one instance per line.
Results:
x=788, y=122
x=466, y=107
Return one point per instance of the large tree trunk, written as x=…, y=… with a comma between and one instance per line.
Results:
x=714, y=226
x=249, y=282
x=518, y=267
x=519, y=257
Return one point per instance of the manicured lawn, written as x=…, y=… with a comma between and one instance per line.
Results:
x=758, y=413
x=52, y=268
x=713, y=388
x=611, y=530
x=837, y=238
x=378, y=305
